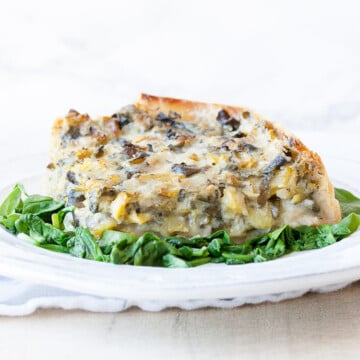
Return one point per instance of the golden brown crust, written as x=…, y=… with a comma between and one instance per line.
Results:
x=187, y=108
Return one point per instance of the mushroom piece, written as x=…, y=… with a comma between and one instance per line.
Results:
x=185, y=169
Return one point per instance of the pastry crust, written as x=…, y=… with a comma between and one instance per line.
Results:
x=174, y=166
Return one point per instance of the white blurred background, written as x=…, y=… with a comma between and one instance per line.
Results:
x=297, y=62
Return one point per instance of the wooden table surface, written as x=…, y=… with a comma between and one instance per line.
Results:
x=315, y=325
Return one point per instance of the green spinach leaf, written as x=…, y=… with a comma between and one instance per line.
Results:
x=40, y=231
x=9, y=222
x=57, y=219
x=12, y=203
x=348, y=202
x=112, y=238
x=42, y=206
x=84, y=245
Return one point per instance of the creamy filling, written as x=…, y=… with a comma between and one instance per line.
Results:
x=138, y=171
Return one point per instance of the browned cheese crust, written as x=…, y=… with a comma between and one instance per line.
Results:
x=174, y=166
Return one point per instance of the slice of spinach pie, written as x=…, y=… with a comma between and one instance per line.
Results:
x=173, y=166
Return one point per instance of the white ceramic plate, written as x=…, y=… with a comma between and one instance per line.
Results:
x=301, y=271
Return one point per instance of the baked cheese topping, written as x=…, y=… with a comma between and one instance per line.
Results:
x=213, y=167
